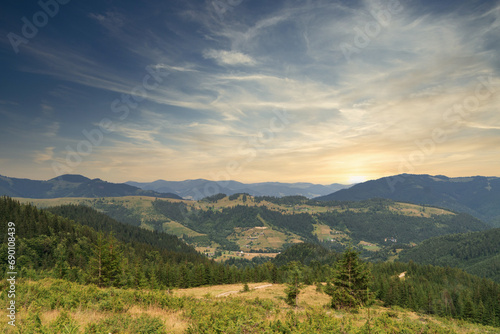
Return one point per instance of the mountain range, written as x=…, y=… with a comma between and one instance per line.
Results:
x=71, y=186
x=200, y=188
x=271, y=223
x=478, y=196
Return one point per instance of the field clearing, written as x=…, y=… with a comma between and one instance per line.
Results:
x=326, y=233
x=418, y=210
x=369, y=246
x=256, y=238
x=308, y=297
x=226, y=255
x=178, y=229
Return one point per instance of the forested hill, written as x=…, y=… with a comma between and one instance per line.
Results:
x=269, y=224
x=123, y=232
x=50, y=245
x=71, y=186
x=307, y=254
x=478, y=253
x=228, y=220
x=478, y=195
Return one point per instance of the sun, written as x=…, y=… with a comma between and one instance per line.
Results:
x=356, y=179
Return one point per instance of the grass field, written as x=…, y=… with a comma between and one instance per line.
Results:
x=326, y=233
x=418, y=210
x=179, y=229
x=261, y=238
x=56, y=306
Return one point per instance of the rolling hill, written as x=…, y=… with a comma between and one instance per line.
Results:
x=477, y=195
x=268, y=224
x=71, y=186
x=200, y=188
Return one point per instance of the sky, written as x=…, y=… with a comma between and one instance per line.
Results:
x=249, y=90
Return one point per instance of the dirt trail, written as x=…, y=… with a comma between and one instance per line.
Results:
x=224, y=294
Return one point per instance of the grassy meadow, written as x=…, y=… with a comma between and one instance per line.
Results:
x=58, y=306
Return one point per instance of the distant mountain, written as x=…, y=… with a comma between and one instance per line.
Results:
x=200, y=188
x=476, y=252
x=476, y=195
x=71, y=186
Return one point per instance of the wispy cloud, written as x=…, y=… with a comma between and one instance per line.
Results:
x=223, y=57
x=45, y=155
x=111, y=20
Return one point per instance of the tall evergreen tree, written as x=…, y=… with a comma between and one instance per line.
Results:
x=104, y=264
x=62, y=267
x=293, y=288
x=350, y=282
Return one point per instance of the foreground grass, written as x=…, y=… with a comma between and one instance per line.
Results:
x=56, y=306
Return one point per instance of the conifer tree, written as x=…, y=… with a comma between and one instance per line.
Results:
x=62, y=267
x=104, y=264
x=293, y=289
x=350, y=282
x=95, y=272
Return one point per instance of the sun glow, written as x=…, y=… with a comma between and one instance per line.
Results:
x=356, y=179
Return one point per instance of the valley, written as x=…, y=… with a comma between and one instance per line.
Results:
x=225, y=226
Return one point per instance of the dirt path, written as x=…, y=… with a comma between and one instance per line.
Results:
x=224, y=294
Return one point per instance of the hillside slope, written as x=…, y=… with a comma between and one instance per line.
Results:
x=477, y=252
x=477, y=195
x=48, y=245
x=71, y=186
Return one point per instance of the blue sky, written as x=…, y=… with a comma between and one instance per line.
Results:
x=315, y=91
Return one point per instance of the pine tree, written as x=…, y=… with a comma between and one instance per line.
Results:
x=95, y=272
x=153, y=280
x=62, y=266
x=350, y=282
x=104, y=264
x=469, y=311
x=293, y=289
x=113, y=259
